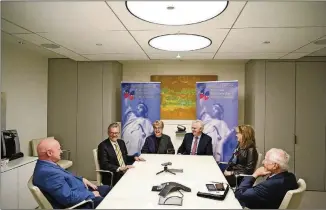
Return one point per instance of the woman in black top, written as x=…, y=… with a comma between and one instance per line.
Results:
x=245, y=156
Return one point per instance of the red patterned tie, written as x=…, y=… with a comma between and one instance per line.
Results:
x=194, y=147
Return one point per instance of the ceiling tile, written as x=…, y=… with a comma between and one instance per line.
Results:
x=11, y=40
x=116, y=56
x=321, y=52
x=61, y=16
x=282, y=14
x=242, y=55
x=68, y=53
x=11, y=28
x=311, y=47
x=283, y=40
x=183, y=55
x=224, y=20
x=34, y=38
x=38, y=40
x=216, y=36
x=294, y=55
x=112, y=42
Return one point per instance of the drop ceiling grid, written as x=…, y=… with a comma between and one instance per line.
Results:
x=81, y=33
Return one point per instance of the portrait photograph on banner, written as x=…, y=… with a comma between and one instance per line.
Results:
x=140, y=107
x=217, y=107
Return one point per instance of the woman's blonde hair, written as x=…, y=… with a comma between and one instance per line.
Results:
x=158, y=123
x=248, y=136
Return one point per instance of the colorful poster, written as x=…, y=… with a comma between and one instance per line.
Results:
x=217, y=107
x=179, y=95
x=140, y=108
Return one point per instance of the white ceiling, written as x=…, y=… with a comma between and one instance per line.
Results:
x=238, y=33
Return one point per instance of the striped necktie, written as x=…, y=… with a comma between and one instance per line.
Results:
x=119, y=155
x=194, y=148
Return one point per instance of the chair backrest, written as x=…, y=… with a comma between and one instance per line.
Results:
x=97, y=167
x=260, y=157
x=292, y=198
x=35, y=142
x=38, y=195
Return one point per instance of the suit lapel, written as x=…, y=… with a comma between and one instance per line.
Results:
x=112, y=151
x=201, y=143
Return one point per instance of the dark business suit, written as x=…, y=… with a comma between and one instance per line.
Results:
x=204, y=147
x=61, y=188
x=267, y=194
x=153, y=146
x=108, y=160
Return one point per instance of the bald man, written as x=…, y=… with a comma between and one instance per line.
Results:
x=59, y=186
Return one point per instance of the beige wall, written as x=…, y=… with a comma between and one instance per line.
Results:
x=140, y=71
x=285, y=103
x=24, y=81
x=82, y=103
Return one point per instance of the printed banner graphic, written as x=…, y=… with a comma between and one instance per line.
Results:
x=217, y=107
x=140, y=107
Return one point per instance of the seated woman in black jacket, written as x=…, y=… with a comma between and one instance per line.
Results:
x=245, y=156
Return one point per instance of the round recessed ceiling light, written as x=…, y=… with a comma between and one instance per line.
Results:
x=176, y=12
x=179, y=42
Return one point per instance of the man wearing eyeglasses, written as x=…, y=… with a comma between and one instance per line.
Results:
x=113, y=155
x=196, y=143
x=269, y=193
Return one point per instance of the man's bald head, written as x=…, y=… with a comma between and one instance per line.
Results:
x=49, y=149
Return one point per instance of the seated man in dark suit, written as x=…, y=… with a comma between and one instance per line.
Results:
x=113, y=156
x=269, y=193
x=196, y=143
x=158, y=143
x=60, y=187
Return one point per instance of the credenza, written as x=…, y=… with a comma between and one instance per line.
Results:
x=14, y=177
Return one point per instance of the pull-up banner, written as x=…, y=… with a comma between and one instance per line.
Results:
x=217, y=107
x=140, y=107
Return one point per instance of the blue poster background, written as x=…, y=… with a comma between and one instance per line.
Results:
x=140, y=108
x=217, y=107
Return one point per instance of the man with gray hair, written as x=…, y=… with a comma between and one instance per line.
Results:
x=112, y=155
x=196, y=143
x=269, y=193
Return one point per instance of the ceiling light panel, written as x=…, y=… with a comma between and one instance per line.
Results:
x=179, y=42
x=176, y=12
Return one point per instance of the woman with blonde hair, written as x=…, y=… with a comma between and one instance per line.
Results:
x=158, y=143
x=244, y=157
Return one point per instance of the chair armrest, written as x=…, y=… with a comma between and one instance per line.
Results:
x=82, y=203
x=110, y=172
x=105, y=171
x=244, y=175
x=67, y=151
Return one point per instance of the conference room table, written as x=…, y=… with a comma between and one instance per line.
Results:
x=134, y=189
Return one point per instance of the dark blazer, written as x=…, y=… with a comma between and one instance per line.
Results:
x=267, y=194
x=204, y=148
x=151, y=146
x=60, y=187
x=246, y=160
x=108, y=160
